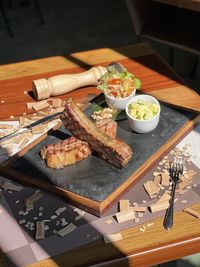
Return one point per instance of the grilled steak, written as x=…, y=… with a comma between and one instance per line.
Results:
x=108, y=126
x=115, y=151
x=65, y=152
x=72, y=150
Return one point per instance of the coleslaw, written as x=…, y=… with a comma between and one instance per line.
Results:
x=118, y=84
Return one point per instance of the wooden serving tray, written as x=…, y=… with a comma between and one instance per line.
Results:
x=93, y=184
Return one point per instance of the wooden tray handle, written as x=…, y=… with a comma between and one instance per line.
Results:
x=64, y=83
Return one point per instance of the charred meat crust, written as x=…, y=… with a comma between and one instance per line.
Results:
x=108, y=126
x=72, y=149
x=115, y=151
x=65, y=152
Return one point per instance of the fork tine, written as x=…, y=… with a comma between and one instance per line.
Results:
x=176, y=167
x=181, y=164
x=181, y=168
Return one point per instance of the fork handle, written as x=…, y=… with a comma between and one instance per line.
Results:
x=169, y=216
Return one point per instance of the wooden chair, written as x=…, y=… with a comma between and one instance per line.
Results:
x=22, y=3
x=169, y=25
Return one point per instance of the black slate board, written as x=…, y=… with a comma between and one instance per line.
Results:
x=94, y=178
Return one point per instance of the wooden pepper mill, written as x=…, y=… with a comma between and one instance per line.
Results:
x=64, y=83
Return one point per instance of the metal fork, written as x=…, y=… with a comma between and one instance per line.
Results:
x=176, y=168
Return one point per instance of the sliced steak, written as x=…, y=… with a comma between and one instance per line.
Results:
x=108, y=126
x=66, y=152
x=72, y=149
x=115, y=151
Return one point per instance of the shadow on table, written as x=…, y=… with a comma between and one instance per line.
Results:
x=149, y=61
x=19, y=242
x=52, y=245
x=85, y=244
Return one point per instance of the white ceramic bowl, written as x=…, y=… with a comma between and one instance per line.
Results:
x=118, y=103
x=143, y=126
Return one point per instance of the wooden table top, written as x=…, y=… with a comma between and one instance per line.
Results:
x=137, y=248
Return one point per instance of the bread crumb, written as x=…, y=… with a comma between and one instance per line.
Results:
x=142, y=228
x=40, y=230
x=175, y=200
x=184, y=201
x=150, y=224
x=137, y=219
x=109, y=221
x=66, y=230
x=123, y=216
x=112, y=237
x=192, y=212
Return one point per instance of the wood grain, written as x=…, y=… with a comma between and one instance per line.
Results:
x=157, y=80
x=149, y=163
x=136, y=249
x=85, y=59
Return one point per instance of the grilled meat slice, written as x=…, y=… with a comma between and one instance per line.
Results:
x=72, y=150
x=108, y=126
x=66, y=152
x=115, y=151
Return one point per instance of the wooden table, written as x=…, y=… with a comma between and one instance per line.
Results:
x=188, y=4
x=137, y=248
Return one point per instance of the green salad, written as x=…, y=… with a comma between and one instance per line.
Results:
x=118, y=84
x=143, y=110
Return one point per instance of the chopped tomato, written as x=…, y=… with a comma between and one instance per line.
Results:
x=120, y=87
x=114, y=94
x=115, y=81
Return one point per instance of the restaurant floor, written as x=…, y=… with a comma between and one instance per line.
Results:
x=72, y=26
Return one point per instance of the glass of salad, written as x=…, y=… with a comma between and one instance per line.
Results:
x=118, y=87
